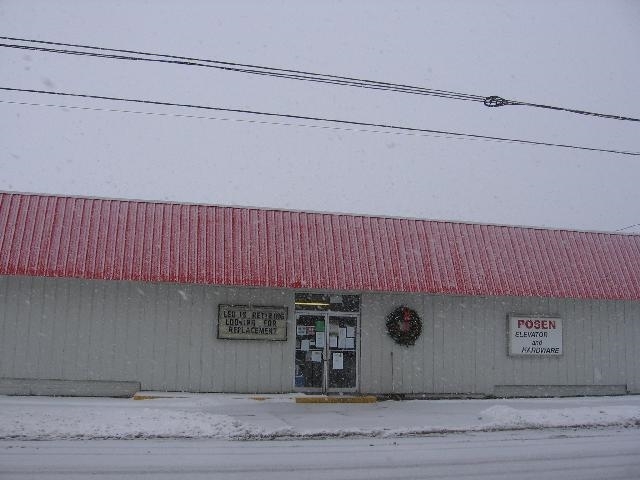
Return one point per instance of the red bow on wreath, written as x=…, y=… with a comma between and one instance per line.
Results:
x=405, y=326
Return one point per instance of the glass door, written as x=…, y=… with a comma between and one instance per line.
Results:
x=326, y=352
x=342, y=352
x=310, y=351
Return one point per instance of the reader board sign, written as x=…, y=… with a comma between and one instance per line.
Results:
x=248, y=322
x=535, y=336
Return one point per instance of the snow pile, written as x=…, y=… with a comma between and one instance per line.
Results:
x=237, y=417
x=111, y=423
x=505, y=417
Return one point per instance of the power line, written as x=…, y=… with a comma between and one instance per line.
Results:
x=321, y=119
x=628, y=227
x=489, y=101
x=239, y=120
x=243, y=68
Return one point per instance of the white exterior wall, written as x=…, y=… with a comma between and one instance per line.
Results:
x=162, y=335
x=463, y=346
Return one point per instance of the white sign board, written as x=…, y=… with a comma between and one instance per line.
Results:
x=246, y=322
x=535, y=336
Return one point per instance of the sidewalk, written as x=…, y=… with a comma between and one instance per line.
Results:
x=247, y=417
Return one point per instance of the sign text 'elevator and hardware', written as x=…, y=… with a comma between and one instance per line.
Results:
x=535, y=336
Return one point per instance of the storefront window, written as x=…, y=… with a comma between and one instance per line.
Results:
x=327, y=302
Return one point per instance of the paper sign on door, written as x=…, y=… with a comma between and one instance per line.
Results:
x=337, y=361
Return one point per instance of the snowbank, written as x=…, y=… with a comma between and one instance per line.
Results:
x=244, y=417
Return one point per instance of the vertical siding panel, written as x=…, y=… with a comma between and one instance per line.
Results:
x=32, y=318
x=173, y=338
x=438, y=345
x=206, y=335
x=425, y=371
x=568, y=341
x=83, y=292
x=146, y=294
x=71, y=331
x=183, y=335
x=600, y=319
x=10, y=337
x=159, y=336
x=447, y=354
x=632, y=339
x=580, y=340
x=620, y=366
x=125, y=334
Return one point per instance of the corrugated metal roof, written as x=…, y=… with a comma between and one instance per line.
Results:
x=57, y=236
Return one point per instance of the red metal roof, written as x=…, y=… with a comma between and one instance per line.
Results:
x=57, y=236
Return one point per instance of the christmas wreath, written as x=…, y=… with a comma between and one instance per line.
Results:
x=404, y=326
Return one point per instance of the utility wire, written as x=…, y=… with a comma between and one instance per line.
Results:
x=242, y=120
x=489, y=101
x=242, y=68
x=321, y=119
x=628, y=227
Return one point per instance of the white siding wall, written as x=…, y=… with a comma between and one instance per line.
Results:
x=463, y=347
x=163, y=335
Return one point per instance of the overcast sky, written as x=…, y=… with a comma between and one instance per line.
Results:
x=579, y=54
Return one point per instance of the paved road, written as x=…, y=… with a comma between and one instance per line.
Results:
x=566, y=454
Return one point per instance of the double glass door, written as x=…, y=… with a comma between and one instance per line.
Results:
x=326, y=351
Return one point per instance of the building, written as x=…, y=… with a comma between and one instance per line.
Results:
x=177, y=297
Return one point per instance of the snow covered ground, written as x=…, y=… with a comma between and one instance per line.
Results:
x=571, y=454
x=246, y=417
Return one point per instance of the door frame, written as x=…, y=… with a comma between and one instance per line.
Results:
x=326, y=353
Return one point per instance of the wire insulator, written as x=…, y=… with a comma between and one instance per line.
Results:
x=495, y=101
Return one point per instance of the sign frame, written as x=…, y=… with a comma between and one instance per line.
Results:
x=543, y=332
x=250, y=319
